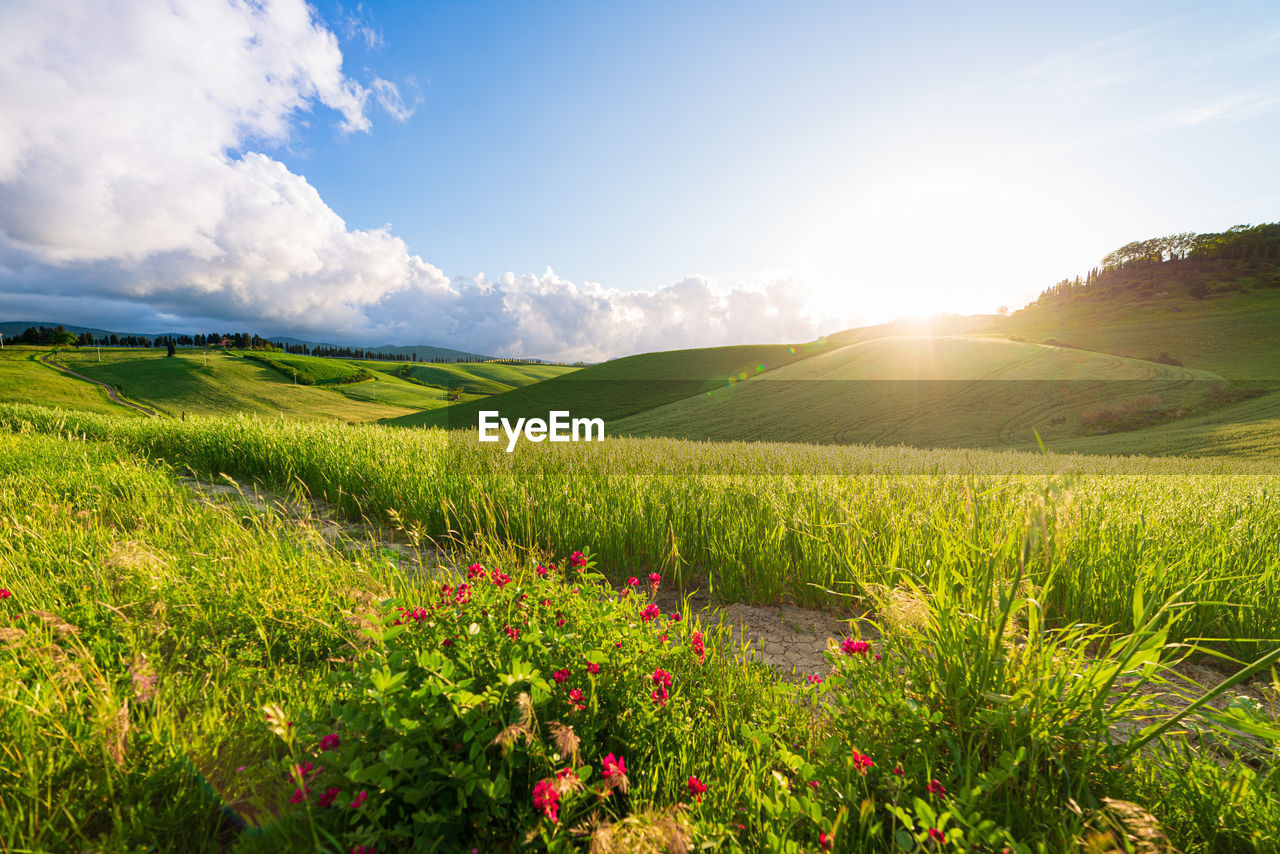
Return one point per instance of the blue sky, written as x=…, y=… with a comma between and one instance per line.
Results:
x=634, y=146
x=694, y=173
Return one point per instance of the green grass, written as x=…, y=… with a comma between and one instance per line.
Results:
x=24, y=380
x=623, y=387
x=196, y=383
x=164, y=656
x=474, y=378
x=933, y=391
x=310, y=370
x=1234, y=335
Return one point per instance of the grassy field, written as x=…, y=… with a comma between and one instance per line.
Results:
x=196, y=383
x=198, y=675
x=24, y=380
x=623, y=387
x=933, y=391
x=474, y=378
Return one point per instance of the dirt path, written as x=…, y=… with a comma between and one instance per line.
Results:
x=111, y=392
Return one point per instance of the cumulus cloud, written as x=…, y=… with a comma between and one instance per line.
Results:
x=129, y=182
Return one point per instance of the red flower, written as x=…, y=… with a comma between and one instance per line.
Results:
x=577, y=559
x=330, y=741
x=936, y=788
x=362, y=849
x=329, y=796
x=861, y=762
x=675, y=618
x=813, y=784
x=560, y=622
x=5, y=593
x=542, y=572
x=814, y=679
x=897, y=770
x=613, y=766
x=360, y=799
x=500, y=578
x=696, y=787
x=633, y=581
x=546, y=799
x=299, y=795
x=649, y=613
x=575, y=695
x=475, y=571
x=654, y=581
x=661, y=677
x=696, y=642
x=593, y=668
x=544, y=602
x=561, y=676
x=826, y=841
x=852, y=647
x=937, y=835
x=514, y=634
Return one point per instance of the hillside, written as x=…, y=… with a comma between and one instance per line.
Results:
x=471, y=377
x=23, y=379
x=936, y=391
x=216, y=384
x=623, y=387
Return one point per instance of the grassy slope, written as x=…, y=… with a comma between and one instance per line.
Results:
x=472, y=377
x=935, y=391
x=1235, y=335
x=319, y=370
x=227, y=384
x=24, y=380
x=624, y=387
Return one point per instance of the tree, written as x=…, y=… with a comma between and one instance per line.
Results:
x=171, y=349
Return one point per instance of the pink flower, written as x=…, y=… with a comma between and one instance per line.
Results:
x=546, y=799
x=661, y=677
x=852, y=647
x=897, y=770
x=500, y=578
x=633, y=581
x=330, y=741
x=814, y=679
x=301, y=772
x=613, y=766
x=577, y=559
x=937, y=835
x=593, y=668
x=514, y=634
x=826, y=841
x=560, y=622
x=696, y=642
x=675, y=617
x=561, y=676
x=544, y=602
x=936, y=788
x=475, y=571
x=696, y=787
x=5, y=593
x=861, y=762
x=649, y=613
x=654, y=581
x=659, y=696
x=542, y=572
x=360, y=799
x=299, y=795
x=329, y=796
x=362, y=849
x=813, y=784
x=575, y=695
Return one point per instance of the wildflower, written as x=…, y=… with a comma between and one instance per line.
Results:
x=633, y=581
x=575, y=695
x=654, y=581
x=299, y=795
x=663, y=639
x=329, y=796
x=546, y=799
x=696, y=787
x=542, y=572
x=618, y=644
x=826, y=841
x=813, y=784
x=577, y=559
x=814, y=679
x=301, y=772
x=661, y=677
x=463, y=595
x=614, y=770
x=659, y=696
x=360, y=799
x=861, y=762
x=475, y=571
x=418, y=614
x=897, y=769
x=937, y=835
x=500, y=578
x=649, y=613
x=936, y=788
x=362, y=849
x=674, y=617
x=560, y=622
x=330, y=741
x=593, y=668
x=544, y=602
x=560, y=676
x=5, y=593
x=696, y=642
x=514, y=634
x=855, y=647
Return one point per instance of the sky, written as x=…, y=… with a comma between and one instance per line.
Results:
x=588, y=180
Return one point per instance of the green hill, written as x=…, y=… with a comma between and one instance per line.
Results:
x=471, y=377
x=936, y=391
x=216, y=384
x=623, y=387
x=24, y=380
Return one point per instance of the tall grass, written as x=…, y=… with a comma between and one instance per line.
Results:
x=885, y=518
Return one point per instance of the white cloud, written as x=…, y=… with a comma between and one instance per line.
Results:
x=128, y=178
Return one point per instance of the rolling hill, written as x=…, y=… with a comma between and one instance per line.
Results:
x=624, y=387
x=936, y=391
x=471, y=377
x=23, y=379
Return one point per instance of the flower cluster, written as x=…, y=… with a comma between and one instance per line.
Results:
x=696, y=787
x=855, y=647
x=651, y=612
x=546, y=799
x=577, y=560
x=861, y=762
x=695, y=641
x=662, y=679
